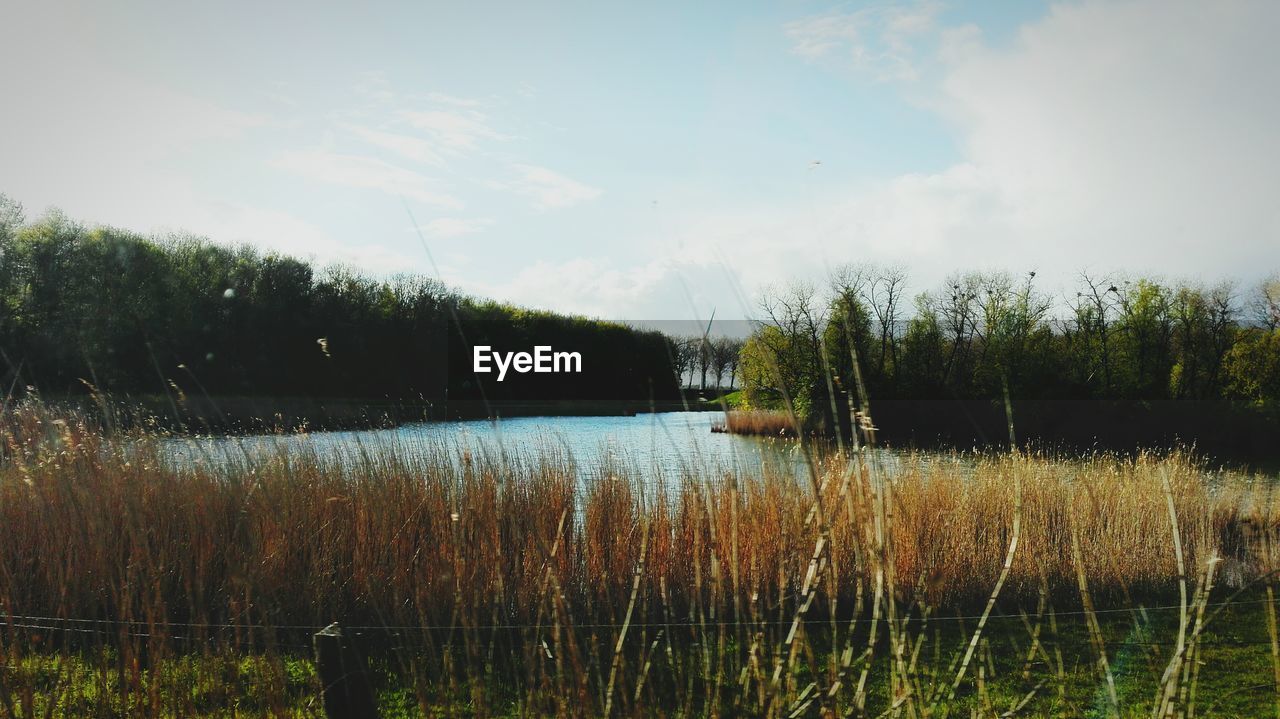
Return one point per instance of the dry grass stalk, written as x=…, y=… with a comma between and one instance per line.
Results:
x=484, y=563
x=757, y=422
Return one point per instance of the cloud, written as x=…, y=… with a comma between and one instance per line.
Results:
x=444, y=99
x=659, y=289
x=447, y=227
x=1133, y=135
x=407, y=146
x=366, y=173
x=1107, y=136
x=455, y=131
x=425, y=136
x=239, y=223
x=74, y=120
x=880, y=40
x=549, y=190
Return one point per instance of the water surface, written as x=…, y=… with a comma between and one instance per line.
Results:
x=670, y=444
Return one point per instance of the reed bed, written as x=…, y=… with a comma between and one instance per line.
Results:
x=499, y=580
x=757, y=422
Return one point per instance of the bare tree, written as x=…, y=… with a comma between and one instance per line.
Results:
x=724, y=352
x=958, y=311
x=684, y=351
x=1012, y=313
x=884, y=295
x=1094, y=307
x=801, y=315
x=735, y=355
x=849, y=281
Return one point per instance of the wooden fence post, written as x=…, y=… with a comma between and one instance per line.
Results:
x=344, y=676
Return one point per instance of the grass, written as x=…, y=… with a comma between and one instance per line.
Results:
x=1236, y=682
x=758, y=422
x=734, y=400
x=493, y=584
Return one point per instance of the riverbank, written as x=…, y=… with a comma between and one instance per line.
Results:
x=1228, y=431
x=242, y=415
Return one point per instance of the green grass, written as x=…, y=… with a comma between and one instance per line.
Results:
x=1235, y=676
x=87, y=683
x=734, y=400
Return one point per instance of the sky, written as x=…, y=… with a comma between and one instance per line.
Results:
x=661, y=160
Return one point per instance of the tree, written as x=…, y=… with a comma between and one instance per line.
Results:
x=1015, y=337
x=955, y=310
x=1265, y=303
x=800, y=315
x=1203, y=329
x=139, y=315
x=724, y=353
x=11, y=219
x=1089, y=333
x=1145, y=328
x=848, y=330
x=734, y=348
x=767, y=375
x=922, y=370
x=1252, y=365
x=848, y=337
x=684, y=354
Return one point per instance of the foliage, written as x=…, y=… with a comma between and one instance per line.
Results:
x=1253, y=365
x=1117, y=339
x=133, y=315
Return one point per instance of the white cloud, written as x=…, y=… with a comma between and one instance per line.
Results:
x=238, y=223
x=880, y=40
x=456, y=131
x=75, y=122
x=1135, y=135
x=660, y=289
x=407, y=146
x=548, y=189
x=1128, y=136
x=366, y=173
x=445, y=99
x=447, y=227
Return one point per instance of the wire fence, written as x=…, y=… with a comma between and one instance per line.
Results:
x=51, y=622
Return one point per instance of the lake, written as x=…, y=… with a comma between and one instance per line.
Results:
x=671, y=444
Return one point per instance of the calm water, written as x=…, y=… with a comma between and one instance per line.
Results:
x=669, y=443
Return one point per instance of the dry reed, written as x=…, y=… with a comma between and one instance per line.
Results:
x=757, y=422
x=469, y=551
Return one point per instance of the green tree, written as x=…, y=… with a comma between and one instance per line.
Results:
x=1252, y=365
x=1145, y=331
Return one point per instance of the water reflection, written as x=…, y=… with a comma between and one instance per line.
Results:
x=668, y=445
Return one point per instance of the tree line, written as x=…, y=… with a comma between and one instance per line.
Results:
x=705, y=363
x=97, y=308
x=982, y=334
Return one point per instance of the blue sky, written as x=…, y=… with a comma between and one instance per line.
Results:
x=658, y=160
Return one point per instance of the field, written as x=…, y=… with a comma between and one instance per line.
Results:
x=492, y=584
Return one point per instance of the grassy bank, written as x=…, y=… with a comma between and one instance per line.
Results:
x=183, y=414
x=501, y=584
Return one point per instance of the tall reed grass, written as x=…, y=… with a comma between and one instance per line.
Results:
x=757, y=422
x=508, y=581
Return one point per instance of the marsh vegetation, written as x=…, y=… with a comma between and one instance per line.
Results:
x=493, y=584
